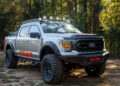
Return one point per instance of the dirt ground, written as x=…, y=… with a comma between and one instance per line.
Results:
x=29, y=75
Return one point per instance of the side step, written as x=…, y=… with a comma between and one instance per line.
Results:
x=33, y=61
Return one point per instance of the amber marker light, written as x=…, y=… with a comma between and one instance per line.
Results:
x=65, y=45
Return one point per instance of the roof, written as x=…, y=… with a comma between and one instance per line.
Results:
x=31, y=20
x=41, y=20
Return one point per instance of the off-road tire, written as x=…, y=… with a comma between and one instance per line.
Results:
x=56, y=69
x=10, y=60
x=96, y=70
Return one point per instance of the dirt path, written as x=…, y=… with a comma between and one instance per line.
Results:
x=28, y=75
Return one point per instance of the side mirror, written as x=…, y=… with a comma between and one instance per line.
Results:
x=35, y=35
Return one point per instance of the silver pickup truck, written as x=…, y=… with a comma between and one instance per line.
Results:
x=57, y=46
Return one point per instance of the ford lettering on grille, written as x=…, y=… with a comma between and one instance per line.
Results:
x=92, y=45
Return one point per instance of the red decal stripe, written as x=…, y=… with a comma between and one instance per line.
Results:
x=26, y=53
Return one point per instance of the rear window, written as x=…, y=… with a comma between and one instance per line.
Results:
x=25, y=31
x=15, y=32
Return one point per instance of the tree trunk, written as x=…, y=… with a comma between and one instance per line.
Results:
x=53, y=8
x=61, y=8
x=75, y=5
x=68, y=7
x=29, y=4
x=85, y=15
x=96, y=9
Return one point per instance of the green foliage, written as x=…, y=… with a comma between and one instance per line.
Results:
x=82, y=13
x=112, y=37
x=2, y=61
x=110, y=21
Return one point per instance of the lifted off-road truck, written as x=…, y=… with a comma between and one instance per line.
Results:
x=57, y=46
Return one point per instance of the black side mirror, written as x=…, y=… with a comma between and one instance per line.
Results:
x=35, y=35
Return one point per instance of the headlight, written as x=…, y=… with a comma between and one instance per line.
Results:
x=104, y=45
x=65, y=45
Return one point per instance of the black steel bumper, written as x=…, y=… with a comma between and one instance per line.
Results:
x=84, y=59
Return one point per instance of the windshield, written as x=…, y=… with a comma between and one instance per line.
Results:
x=59, y=28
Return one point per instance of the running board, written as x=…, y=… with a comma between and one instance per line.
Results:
x=33, y=61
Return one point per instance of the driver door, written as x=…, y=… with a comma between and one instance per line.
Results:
x=34, y=43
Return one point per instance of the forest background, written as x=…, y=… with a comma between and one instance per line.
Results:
x=90, y=16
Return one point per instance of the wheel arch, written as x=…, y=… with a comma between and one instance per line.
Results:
x=10, y=46
x=51, y=48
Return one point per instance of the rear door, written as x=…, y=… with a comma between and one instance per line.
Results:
x=22, y=41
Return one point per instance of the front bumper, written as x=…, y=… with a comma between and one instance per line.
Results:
x=84, y=59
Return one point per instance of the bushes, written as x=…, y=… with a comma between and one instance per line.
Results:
x=112, y=39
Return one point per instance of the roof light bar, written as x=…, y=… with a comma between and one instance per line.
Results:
x=63, y=18
x=44, y=17
x=57, y=18
x=40, y=19
x=51, y=18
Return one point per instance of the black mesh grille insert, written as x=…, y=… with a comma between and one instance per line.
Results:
x=90, y=45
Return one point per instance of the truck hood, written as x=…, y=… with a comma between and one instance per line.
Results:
x=71, y=35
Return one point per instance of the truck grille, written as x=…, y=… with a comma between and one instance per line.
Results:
x=90, y=45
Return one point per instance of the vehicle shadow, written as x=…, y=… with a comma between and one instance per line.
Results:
x=80, y=78
x=74, y=77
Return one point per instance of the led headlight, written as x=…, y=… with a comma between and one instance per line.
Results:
x=65, y=45
x=104, y=49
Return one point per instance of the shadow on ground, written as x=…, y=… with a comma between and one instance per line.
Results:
x=29, y=75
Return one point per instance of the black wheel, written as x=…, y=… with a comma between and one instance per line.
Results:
x=96, y=70
x=51, y=69
x=10, y=60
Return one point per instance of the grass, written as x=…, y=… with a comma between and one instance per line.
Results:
x=3, y=76
x=41, y=84
x=2, y=60
x=30, y=82
x=14, y=77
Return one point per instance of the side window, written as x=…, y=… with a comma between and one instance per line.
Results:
x=34, y=29
x=25, y=31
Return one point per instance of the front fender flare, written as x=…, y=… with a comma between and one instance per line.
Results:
x=53, y=46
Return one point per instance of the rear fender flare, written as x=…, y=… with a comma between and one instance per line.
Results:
x=11, y=47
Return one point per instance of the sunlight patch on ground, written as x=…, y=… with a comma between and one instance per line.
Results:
x=104, y=84
x=78, y=72
x=113, y=66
